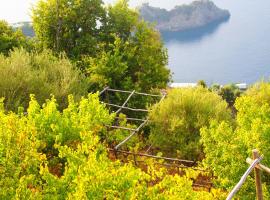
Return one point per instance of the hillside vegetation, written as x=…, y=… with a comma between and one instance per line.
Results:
x=57, y=136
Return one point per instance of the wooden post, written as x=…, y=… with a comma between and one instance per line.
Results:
x=244, y=177
x=259, y=192
x=115, y=154
x=106, y=96
x=134, y=157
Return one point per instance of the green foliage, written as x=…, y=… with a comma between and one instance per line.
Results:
x=202, y=83
x=109, y=68
x=53, y=125
x=82, y=169
x=10, y=39
x=116, y=136
x=139, y=63
x=253, y=119
x=228, y=92
x=220, y=144
x=43, y=74
x=121, y=20
x=71, y=26
x=177, y=120
x=111, y=45
x=148, y=60
x=176, y=187
x=232, y=145
x=19, y=158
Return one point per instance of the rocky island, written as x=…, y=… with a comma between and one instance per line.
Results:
x=185, y=17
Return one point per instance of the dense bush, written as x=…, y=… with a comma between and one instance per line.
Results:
x=81, y=168
x=177, y=120
x=226, y=147
x=42, y=74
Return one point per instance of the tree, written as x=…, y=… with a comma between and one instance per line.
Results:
x=71, y=26
x=139, y=63
x=202, y=83
x=10, y=39
x=229, y=93
x=120, y=21
x=112, y=45
x=175, y=122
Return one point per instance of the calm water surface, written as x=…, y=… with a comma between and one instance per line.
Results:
x=235, y=51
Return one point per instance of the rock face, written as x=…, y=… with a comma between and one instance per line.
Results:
x=26, y=27
x=185, y=17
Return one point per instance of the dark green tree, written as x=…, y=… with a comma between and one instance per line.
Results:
x=135, y=59
x=120, y=21
x=229, y=93
x=110, y=44
x=72, y=26
x=202, y=83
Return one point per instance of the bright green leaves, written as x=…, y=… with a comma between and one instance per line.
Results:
x=48, y=154
x=37, y=147
x=224, y=152
x=138, y=63
x=227, y=145
x=66, y=127
x=19, y=157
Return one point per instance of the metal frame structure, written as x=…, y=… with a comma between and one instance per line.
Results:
x=170, y=162
x=124, y=106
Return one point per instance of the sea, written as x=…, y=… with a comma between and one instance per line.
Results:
x=235, y=51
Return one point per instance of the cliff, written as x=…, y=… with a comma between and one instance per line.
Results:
x=184, y=17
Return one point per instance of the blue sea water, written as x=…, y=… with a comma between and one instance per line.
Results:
x=237, y=50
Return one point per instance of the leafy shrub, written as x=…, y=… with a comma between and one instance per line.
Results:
x=177, y=120
x=226, y=147
x=19, y=156
x=87, y=173
x=42, y=74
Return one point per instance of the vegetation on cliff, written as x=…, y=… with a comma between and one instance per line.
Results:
x=184, y=17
